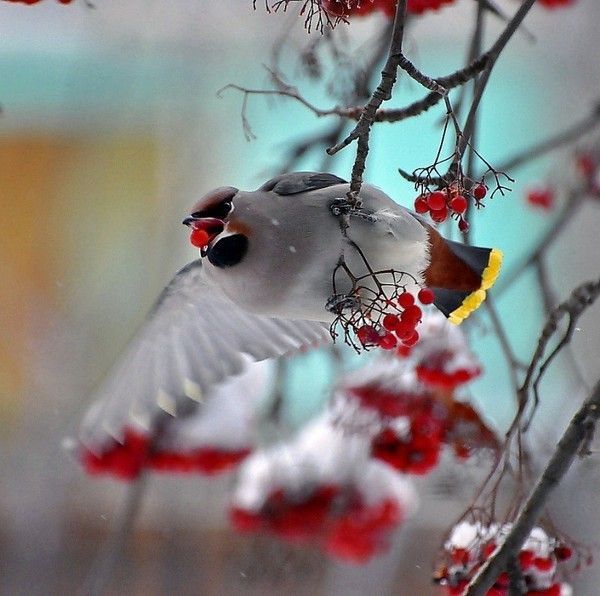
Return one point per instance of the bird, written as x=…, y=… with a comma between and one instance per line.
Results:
x=270, y=261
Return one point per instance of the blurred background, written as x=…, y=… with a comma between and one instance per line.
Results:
x=111, y=128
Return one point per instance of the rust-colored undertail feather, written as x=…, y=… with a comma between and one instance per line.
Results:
x=459, y=275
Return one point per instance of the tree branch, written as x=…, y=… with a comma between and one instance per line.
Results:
x=570, y=444
x=362, y=130
x=493, y=55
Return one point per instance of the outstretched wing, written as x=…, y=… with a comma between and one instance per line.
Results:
x=194, y=338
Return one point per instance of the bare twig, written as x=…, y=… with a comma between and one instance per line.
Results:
x=102, y=572
x=493, y=55
x=571, y=208
x=511, y=359
x=362, y=130
x=570, y=444
x=582, y=297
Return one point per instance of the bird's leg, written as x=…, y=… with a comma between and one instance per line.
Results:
x=343, y=206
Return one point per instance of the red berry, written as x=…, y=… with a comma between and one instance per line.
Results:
x=437, y=200
x=404, y=329
x=390, y=322
x=367, y=335
x=426, y=296
x=479, y=191
x=458, y=204
x=563, y=552
x=463, y=225
x=199, y=238
x=403, y=351
x=412, y=314
x=388, y=342
x=412, y=340
x=421, y=205
x=585, y=164
x=543, y=563
x=440, y=215
x=488, y=549
x=543, y=198
x=526, y=558
x=406, y=299
x=460, y=556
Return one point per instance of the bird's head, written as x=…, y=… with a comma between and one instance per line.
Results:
x=208, y=219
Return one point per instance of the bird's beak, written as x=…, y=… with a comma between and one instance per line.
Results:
x=204, y=229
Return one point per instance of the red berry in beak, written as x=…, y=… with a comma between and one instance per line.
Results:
x=199, y=237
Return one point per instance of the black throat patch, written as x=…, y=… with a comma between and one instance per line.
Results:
x=229, y=251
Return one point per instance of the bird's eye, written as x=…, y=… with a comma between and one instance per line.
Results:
x=218, y=211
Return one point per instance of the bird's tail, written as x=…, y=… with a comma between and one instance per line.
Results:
x=460, y=275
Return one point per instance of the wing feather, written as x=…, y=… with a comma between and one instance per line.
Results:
x=194, y=339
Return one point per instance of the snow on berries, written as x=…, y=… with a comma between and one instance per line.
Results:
x=471, y=543
x=409, y=421
x=322, y=489
x=442, y=359
x=451, y=201
x=207, y=440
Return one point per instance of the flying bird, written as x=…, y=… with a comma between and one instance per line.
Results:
x=263, y=283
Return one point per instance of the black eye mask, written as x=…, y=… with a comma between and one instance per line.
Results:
x=228, y=251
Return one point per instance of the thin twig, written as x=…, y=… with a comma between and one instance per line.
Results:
x=509, y=355
x=474, y=50
x=555, y=142
x=102, y=571
x=571, y=208
x=362, y=130
x=569, y=446
x=493, y=55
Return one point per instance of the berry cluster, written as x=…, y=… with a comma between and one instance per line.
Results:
x=29, y=2
x=418, y=450
x=414, y=427
x=450, y=201
x=398, y=326
x=350, y=8
x=470, y=545
x=435, y=370
x=556, y=3
x=126, y=460
x=333, y=518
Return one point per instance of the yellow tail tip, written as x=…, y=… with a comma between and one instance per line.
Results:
x=474, y=300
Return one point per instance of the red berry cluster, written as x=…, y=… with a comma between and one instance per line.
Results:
x=397, y=328
x=541, y=197
x=538, y=569
x=331, y=517
x=451, y=201
x=556, y=3
x=419, y=451
x=414, y=447
x=421, y=6
x=432, y=371
x=29, y=2
x=350, y=8
x=126, y=460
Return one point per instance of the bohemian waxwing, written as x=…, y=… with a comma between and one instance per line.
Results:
x=263, y=284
